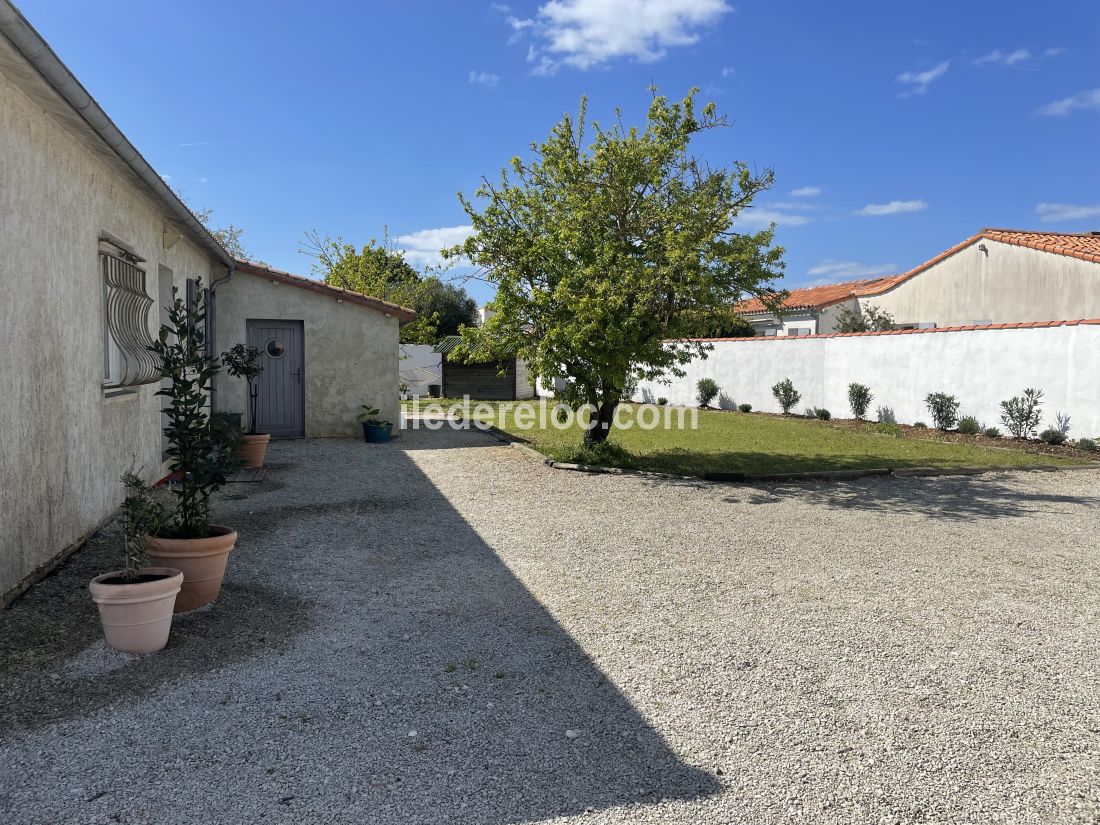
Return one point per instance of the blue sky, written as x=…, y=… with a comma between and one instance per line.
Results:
x=895, y=129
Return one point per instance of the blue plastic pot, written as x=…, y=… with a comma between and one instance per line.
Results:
x=377, y=433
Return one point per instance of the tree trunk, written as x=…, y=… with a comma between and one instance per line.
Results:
x=605, y=415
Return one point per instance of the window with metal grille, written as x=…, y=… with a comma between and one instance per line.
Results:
x=127, y=361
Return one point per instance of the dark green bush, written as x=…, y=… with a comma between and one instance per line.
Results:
x=969, y=425
x=1053, y=436
x=920, y=425
x=859, y=399
x=991, y=432
x=745, y=407
x=705, y=391
x=786, y=395
x=662, y=401
x=944, y=409
x=822, y=413
x=1087, y=444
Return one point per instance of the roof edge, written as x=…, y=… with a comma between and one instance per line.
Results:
x=42, y=58
x=264, y=271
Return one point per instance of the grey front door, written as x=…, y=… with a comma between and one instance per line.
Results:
x=280, y=407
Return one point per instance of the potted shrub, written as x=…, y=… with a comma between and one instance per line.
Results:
x=136, y=603
x=244, y=362
x=199, y=455
x=375, y=430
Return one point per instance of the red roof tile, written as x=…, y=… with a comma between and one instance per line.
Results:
x=812, y=297
x=1082, y=245
x=358, y=298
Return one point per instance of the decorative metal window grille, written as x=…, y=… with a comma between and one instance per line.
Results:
x=128, y=308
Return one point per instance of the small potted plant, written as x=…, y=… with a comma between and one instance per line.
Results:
x=135, y=604
x=244, y=362
x=200, y=457
x=376, y=430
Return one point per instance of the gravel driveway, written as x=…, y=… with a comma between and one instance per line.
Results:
x=443, y=630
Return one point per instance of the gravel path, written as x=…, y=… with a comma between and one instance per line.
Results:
x=443, y=630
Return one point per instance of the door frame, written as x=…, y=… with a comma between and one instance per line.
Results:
x=302, y=378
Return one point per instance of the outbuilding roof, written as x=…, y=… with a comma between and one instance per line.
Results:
x=313, y=285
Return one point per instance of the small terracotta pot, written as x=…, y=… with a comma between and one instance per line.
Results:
x=201, y=560
x=137, y=616
x=253, y=448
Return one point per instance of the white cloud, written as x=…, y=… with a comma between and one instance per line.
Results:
x=761, y=217
x=835, y=271
x=892, y=208
x=919, y=81
x=1054, y=52
x=204, y=180
x=729, y=71
x=999, y=58
x=486, y=79
x=1082, y=100
x=588, y=33
x=422, y=247
x=806, y=192
x=1049, y=212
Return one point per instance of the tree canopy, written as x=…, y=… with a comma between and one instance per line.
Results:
x=379, y=269
x=609, y=256
x=866, y=319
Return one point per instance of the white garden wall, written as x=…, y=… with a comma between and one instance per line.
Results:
x=420, y=365
x=982, y=366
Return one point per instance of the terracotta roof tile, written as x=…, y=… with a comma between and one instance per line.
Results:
x=358, y=298
x=812, y=297
x=1082, y=245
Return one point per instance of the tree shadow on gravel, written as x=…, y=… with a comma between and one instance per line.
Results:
x=949, y=498
x=428, y=685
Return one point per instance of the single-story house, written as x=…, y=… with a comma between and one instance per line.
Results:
x=505, y=380
x=997, y=276
x=326, y=351
x=93, y=240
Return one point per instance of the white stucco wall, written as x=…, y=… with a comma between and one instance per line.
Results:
x=420, y=365
x=351, y=355
x=1006, y=284
x=981, y=367
x=64, y=444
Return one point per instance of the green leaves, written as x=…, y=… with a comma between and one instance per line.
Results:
x=602, y=252
x=196, y=451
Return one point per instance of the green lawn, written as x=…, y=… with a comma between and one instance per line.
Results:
x=752, y=443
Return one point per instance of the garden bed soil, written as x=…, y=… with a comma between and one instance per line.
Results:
x=1033, y=446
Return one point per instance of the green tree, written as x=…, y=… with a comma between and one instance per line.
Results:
x=450, y=304
x=608, y=256
x=378, y=269
x=866, y=319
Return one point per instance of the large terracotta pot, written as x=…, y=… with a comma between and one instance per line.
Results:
x=253, y=448
x=137, y=616
x=201, y=560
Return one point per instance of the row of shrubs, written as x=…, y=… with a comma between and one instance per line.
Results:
x=1021, y=415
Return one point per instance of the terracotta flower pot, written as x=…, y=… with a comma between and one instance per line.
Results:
x=137, y=615
x=253, y=448
x=201, y=560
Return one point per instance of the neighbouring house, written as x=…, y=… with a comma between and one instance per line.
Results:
x=326, y=351
x=487, y=381
x=93, y=241
x=998, y=276
x=806, y=311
